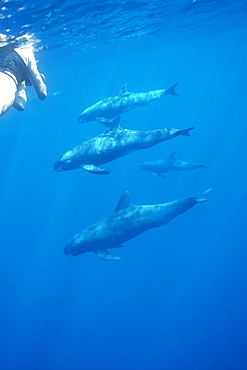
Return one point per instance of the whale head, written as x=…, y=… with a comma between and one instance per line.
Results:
x=59, y=166
x=83, y=118
x=72, y=248
x=146, y=166
x=86, y=116
x=64, y=163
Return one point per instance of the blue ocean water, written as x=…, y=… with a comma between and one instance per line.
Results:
x=177, y=298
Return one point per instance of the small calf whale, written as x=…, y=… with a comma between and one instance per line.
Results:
x=124, y=101
x=171, y=163
x=126, y=222
x=113, y=143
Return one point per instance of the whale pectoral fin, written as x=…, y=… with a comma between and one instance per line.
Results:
x=95, y=170
x=105, y=255
x=123, y=90
x=106, y=122
x=160, y=174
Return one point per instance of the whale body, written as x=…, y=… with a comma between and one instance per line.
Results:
x=124, y=101
x=113, y=143
x=159, y=167
x=126, y=222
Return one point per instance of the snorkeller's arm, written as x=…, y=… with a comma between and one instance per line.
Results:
x=33, y=73
x=36, y=78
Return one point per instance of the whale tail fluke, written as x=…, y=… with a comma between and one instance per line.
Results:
x=171, y=90
x=186, y=132
x=203, y=197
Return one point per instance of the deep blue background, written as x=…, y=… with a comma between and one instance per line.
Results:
x=177, y=298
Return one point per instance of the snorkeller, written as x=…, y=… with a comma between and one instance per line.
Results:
x=18, y=69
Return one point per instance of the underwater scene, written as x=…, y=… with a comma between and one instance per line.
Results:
x=123, y=193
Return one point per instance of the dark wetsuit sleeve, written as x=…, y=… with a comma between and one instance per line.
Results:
x=11, y=61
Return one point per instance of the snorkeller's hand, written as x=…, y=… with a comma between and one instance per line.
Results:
x=20, y=97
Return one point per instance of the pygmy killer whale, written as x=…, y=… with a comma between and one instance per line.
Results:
x=171, y=163
x=126, y=222
x=113, y=143
x=124, y=101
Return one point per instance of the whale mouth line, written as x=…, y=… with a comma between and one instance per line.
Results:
x=58, y=168
x=71, y=252
x=68, y=252
x=81, y=119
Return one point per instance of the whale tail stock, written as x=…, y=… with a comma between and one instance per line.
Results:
x=203, y=197
x=171, y=90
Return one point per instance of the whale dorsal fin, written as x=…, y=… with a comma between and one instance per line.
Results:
x=123, y=202
x=123, y=90
x=172, y=157
x=114, y=124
